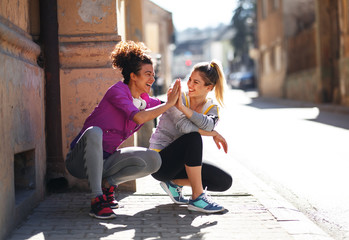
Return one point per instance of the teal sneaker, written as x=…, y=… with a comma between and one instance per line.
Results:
x=203, y=203
x=174, y=191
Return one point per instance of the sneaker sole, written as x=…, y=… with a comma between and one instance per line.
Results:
x=102, y=217
x=193, y=208
x=164, y=186
x=114, y=207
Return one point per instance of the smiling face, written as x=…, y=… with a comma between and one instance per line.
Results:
x=196, y=86
x=142, y=82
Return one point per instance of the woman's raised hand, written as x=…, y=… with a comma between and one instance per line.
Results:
x=174, y=93
x=179, y=102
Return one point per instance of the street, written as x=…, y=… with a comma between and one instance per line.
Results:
x=301, y=152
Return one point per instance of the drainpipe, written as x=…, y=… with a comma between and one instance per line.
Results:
x=50, y=51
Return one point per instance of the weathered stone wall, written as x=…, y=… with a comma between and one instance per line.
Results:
x=87, y=35
x=302, y=85
x=22, y=114
x=344, y=81
x=343, y=63
x=272, y=64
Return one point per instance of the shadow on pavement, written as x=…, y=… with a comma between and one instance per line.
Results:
x=163, y=221
x=167, y=221
x=333, y=119
x=327, y=115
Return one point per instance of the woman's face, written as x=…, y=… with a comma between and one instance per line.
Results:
x=196, y=86
x=145, y=78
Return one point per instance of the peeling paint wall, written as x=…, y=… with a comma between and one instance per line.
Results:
x=82, y=91
x=86, y=17
x=87, y=36
x=22, y=115
x=92, y=11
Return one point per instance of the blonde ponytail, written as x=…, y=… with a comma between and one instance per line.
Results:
x=220, y=82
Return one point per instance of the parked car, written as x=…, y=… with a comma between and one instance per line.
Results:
x=242, y=80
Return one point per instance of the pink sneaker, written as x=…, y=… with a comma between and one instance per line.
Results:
x=109, y=192
x=101, y=209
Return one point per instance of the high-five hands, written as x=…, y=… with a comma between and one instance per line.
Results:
x=179, y=102
x=174, y=93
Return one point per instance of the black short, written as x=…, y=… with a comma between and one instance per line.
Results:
x=187, y=150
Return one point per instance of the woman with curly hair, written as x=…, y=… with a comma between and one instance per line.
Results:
x=94, y=153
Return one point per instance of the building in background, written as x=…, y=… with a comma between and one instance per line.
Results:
x=302, y=51
x=159, y=37
x=198, y=45
x=51, y=78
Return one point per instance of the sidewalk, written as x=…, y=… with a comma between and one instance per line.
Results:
x=254, y=211
x=334, y=108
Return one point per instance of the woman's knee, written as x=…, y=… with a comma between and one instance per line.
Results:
x=94, y=134
x=227, y=181
x=154, y=161
x=218, y=179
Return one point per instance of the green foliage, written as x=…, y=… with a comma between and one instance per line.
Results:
x=244, y=24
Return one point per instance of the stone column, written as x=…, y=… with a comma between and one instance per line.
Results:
x=87, y=35
x=328, y=50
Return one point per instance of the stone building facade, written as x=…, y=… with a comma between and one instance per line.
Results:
x=22, y=114
x=302, y=50
x=54, y=70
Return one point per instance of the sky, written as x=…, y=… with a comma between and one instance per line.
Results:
x=198, y=13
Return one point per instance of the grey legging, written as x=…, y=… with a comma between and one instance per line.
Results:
x=85, y=160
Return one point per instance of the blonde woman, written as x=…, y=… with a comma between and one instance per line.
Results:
x=178, y=140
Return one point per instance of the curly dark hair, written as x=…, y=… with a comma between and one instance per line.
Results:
x=129, y=56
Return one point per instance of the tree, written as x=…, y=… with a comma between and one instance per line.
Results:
x=244, y=24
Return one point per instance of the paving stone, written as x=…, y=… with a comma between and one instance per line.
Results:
x=150, y=214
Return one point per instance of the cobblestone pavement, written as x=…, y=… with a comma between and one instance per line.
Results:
x=64, y=216
x=253, y=212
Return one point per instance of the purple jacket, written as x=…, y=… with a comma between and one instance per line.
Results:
x=114, y=115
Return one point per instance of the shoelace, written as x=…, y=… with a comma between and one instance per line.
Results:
x=102, y=202
x=208, y=198
x=109, y=192
x=179, y=190
x=110, y=197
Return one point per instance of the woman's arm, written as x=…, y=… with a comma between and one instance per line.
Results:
x=186, y=111
x=197, y=121
x=205, y=122
x=172, y=96
x=217, y=138
x=151, y=113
